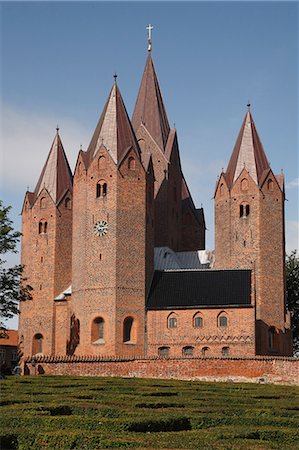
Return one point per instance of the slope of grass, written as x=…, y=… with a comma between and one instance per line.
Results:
x=93, y=413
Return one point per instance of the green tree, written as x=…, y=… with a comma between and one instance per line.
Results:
x=292, y=297
x=12, y=287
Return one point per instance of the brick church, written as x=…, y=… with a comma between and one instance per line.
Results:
x=116, y=256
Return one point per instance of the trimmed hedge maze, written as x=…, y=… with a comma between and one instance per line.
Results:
x=94, y=413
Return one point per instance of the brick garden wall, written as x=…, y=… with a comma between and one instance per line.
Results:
x=259, y=369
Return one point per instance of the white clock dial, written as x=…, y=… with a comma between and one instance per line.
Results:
x=100, y=228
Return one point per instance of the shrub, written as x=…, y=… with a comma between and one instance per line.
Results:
x=170, y=424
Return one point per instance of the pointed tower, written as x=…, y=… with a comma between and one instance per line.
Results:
x=157, y=139
x=113, y=224
x=46, y=253
x=249, y=233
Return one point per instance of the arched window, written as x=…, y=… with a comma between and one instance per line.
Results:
x=131, y=163
x=205, y=351
x=42, y=227
x=225, y=351
x=222, y=320
x=79, y=168
x=102, y=189
x=68, y=203
x=172, y=321
x=42, y=203
x=102, y=162
x=128, y=325
x=97, y=331
x=37, y=344
x=244, y=210
x=270, y=185
x=188, y=350
x=272, y=336
x=197, y=321
x=244, y=184
x=163, y=351
x=221, y=189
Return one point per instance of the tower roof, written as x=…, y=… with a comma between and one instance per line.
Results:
x=56, y=175
x=114, y=129
x=149, y=109
x=248, y=153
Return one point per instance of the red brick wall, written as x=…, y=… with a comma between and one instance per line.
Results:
x=167, y=192
x=239, y=335
x=259, y=369
x=109, y=272
x=256, y=242
x=47, y=267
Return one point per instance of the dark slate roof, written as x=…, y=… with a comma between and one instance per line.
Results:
x=200, y=288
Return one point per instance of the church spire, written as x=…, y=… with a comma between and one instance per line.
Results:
x=114, y=129
x=149, y=109
x=56, y=175
x=248, y=153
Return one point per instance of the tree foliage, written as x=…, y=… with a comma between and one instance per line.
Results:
x=12, y=287
x=292, y=297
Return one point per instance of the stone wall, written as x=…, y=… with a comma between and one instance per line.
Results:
x=259, y=369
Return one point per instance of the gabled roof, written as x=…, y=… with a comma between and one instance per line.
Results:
x=114, y=129
x=248, y=153
x=149, y=109
x=56, y=176
x=9, y=338
x=200, y=288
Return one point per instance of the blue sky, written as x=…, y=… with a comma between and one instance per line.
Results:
x=58, y=61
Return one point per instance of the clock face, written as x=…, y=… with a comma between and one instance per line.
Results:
x=100, y=228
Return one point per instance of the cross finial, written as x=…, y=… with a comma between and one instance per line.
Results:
x=115, y=77
x=57, y=128
x=149, y=37
x=81, y=147
x=248, y=105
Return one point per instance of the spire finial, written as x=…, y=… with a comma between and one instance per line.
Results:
x=115, y=77
x=248, y=105
x=57, y=128
x=149, y=37
x=81, y=147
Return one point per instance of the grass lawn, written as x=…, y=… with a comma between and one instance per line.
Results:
x=91, y=413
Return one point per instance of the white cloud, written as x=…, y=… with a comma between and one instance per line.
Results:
x=293, y=184
x=26, y=139
x=292, y=235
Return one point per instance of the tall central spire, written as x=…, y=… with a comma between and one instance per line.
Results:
x=149, y=109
